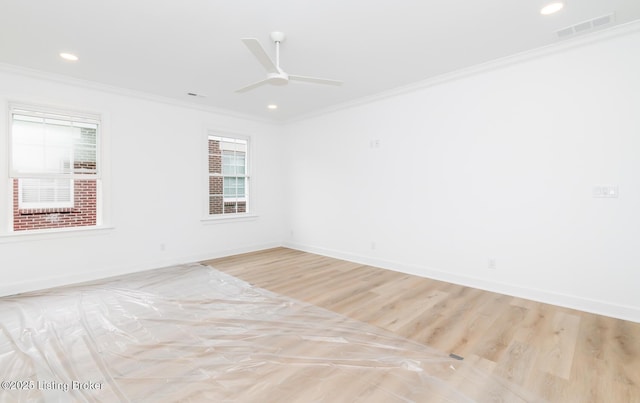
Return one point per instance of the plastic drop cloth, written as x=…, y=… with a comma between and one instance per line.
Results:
x=194, y=334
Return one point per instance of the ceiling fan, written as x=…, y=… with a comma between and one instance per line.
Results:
x=275, y=75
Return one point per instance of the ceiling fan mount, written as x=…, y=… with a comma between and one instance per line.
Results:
x=275, y=75
x=277, y=36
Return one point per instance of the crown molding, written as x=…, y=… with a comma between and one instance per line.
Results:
x=554, y=48
x=93, y=85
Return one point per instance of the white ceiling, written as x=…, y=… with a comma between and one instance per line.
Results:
x=171, y=47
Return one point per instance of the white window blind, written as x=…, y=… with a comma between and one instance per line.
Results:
x=48, y=145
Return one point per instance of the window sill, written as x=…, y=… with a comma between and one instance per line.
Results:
x=229, y=218
x=53, y=233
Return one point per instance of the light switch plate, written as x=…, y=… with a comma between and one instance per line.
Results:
x=605, y=191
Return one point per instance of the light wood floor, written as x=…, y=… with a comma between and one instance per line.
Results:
x=560, y=354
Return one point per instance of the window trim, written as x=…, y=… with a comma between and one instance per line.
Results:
x=250, y=214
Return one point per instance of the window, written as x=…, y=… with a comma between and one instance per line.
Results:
x=54, y=168
x=228, y=175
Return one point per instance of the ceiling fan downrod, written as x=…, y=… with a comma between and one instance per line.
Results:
x=277, y=37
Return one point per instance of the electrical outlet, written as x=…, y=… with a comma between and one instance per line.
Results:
x=491, y=264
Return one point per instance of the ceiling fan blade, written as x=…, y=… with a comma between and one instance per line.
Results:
x=258, y=51
x=252, y=86
x=315, y=80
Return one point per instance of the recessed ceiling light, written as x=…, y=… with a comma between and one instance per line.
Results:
x=551, y=8
x=69, y=56
x=272, y=106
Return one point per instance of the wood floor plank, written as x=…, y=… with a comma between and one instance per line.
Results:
x=556, y=356
x=554, y=353
x=517, y=363
x=501, y=333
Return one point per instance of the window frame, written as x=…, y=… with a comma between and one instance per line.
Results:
x=249, y=198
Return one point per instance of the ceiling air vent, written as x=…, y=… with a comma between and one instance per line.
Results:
x=586, y=26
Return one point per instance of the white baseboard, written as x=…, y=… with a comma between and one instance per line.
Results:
x=80, y=277
x=624, y=312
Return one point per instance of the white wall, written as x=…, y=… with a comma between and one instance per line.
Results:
x=157, y=161
x=496, y=164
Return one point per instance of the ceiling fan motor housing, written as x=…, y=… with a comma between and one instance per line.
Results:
x=278, y=78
